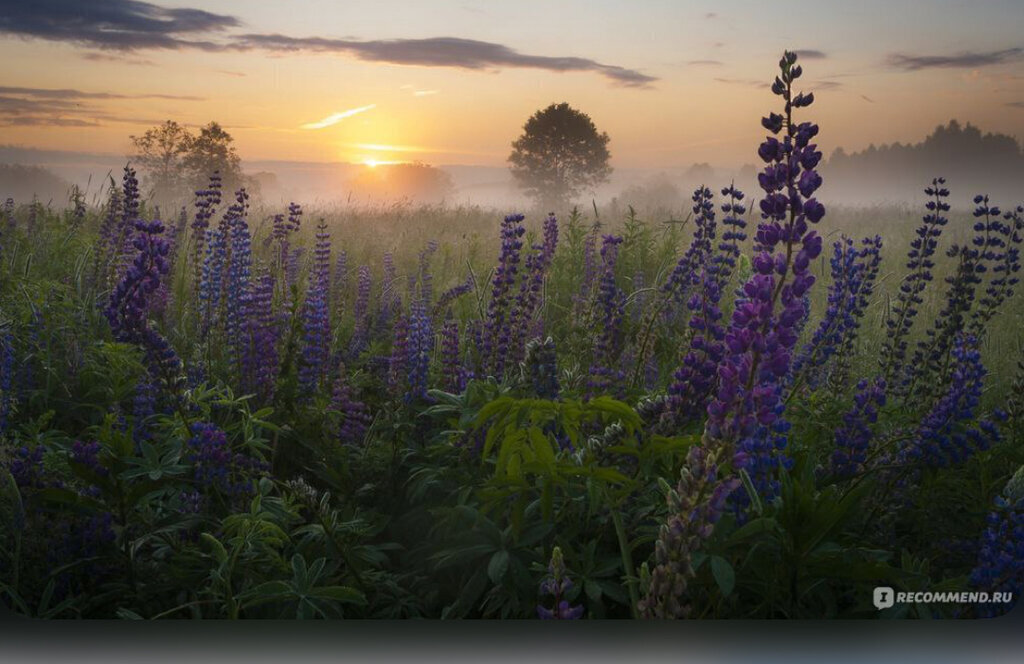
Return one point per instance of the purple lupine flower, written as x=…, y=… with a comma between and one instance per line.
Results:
x=931, y=357
x=88, y=455
x=361, y=312
x=853, y=275
x=452, y=374
x=947, y=436
x=206, y=204
x=294, y=217
x=211, y=282
x=398, y=365
x=694, y=507
x=355, y=416
x=452, y=294
x=748, y=406
x=1000, y=564
x=128, y=305
x=854, y=435
x=920, y=264
x=531, y=287
x=557, y=585
x=581, y=299
x=216, y=467
x=1005, y=257
x=540, y=368
x=144, y=405
x=684, y=276
x=316, y=318
x=498, y=327
x=604, y=375
x=260, y=356
x=420, y=342
x=6, y=380
x=238, y=290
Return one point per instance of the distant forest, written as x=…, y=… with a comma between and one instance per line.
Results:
x=22, y=183
x=970, y=161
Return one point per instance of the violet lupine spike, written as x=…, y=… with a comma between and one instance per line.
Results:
x=260, y=358
x=238, y=291
x=211, y=279
x=748, y=407
x=449, y=296
x=540, y=369
x=583, y=296
x=420, y=342
x=316, y=319
x=216, y=467
x=452, y=375
x=361, y=311
x=604, y=374
x=531, y=287
x=398, y=365
x=930, y=363
x=205, y=204
x=128, y=306
x=555, y=586
x=919, y=264
x=695, y=506
x=853, y=437
x=355, y=416
x=498, y=331
x=948, y=435
x=1005, y=256
x=853, y=274
x=685, y=274
x=1000, y=562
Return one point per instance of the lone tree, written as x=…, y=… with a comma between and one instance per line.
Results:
x=559, y=154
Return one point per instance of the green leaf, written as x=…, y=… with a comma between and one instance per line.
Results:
x=724, y=574
x=339, y=594
x=498, y=566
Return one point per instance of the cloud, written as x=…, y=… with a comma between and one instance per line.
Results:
x=441, y=52
x=236, y=74
x=811, y=54
x=121, y=25
x=751, y=82
x=825, y=85
x=132, y=25
x=1015, y=104
x=424, y=93
x=335, y=118
x=964, y=60
x=710, y=15
x=106, y=57
x=867, y=99
x=50, y=93
x=706, y=63
x=33, y=121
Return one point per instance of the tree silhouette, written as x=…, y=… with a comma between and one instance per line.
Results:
x=559, y=154
x=175, y=161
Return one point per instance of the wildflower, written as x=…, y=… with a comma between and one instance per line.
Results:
x=557, y=585
x=1000, y=565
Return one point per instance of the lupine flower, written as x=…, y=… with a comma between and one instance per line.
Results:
x=854, y=435
x=238, y=290
x=920, y=264
x=498, y=327
x=582, y=298
x=316, y=319
x=398, y=365
x=947, y=435
x=930, y=359
x=557, y=585
x=260, y=356
x=420, y=342
x=604, y=375
x=87, y=454
x=532, y=285
x=1005, y=257
x=540, y=368
x=206, y=204
x=748, y=407
x=211, y=282
x=361, y=311
x=128, y=305
x=143, y=407
x=694, y=506
x=853, y=275
x=1000, y=566
x=452, y=373
x=355, y=416
x=684, y=276
x=216, y=467
x=452, y=294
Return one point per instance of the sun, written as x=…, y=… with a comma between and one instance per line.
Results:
x=374, y=163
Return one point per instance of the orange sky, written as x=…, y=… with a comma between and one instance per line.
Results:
x=672, y=83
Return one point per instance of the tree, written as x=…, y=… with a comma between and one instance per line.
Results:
x=176, y=162
x=559, y=154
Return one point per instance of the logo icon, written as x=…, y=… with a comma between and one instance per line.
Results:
x=884, y=597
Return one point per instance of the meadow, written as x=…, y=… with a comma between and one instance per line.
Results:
x=762, y=406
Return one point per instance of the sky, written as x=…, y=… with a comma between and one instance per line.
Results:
x=453, y=82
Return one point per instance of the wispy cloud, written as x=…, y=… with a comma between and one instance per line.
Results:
x=236, y=74
x=442, y=52
x=963, y=60
x=335, y=118
x=1015, y=104
x=133, y=25
x=751, y=82
x=867, y=99
x=106, y=57
x=123, y=25
x=811, y=54
x=705, y=63
x=424, y=93
x=67, y=93
x=825, y=85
